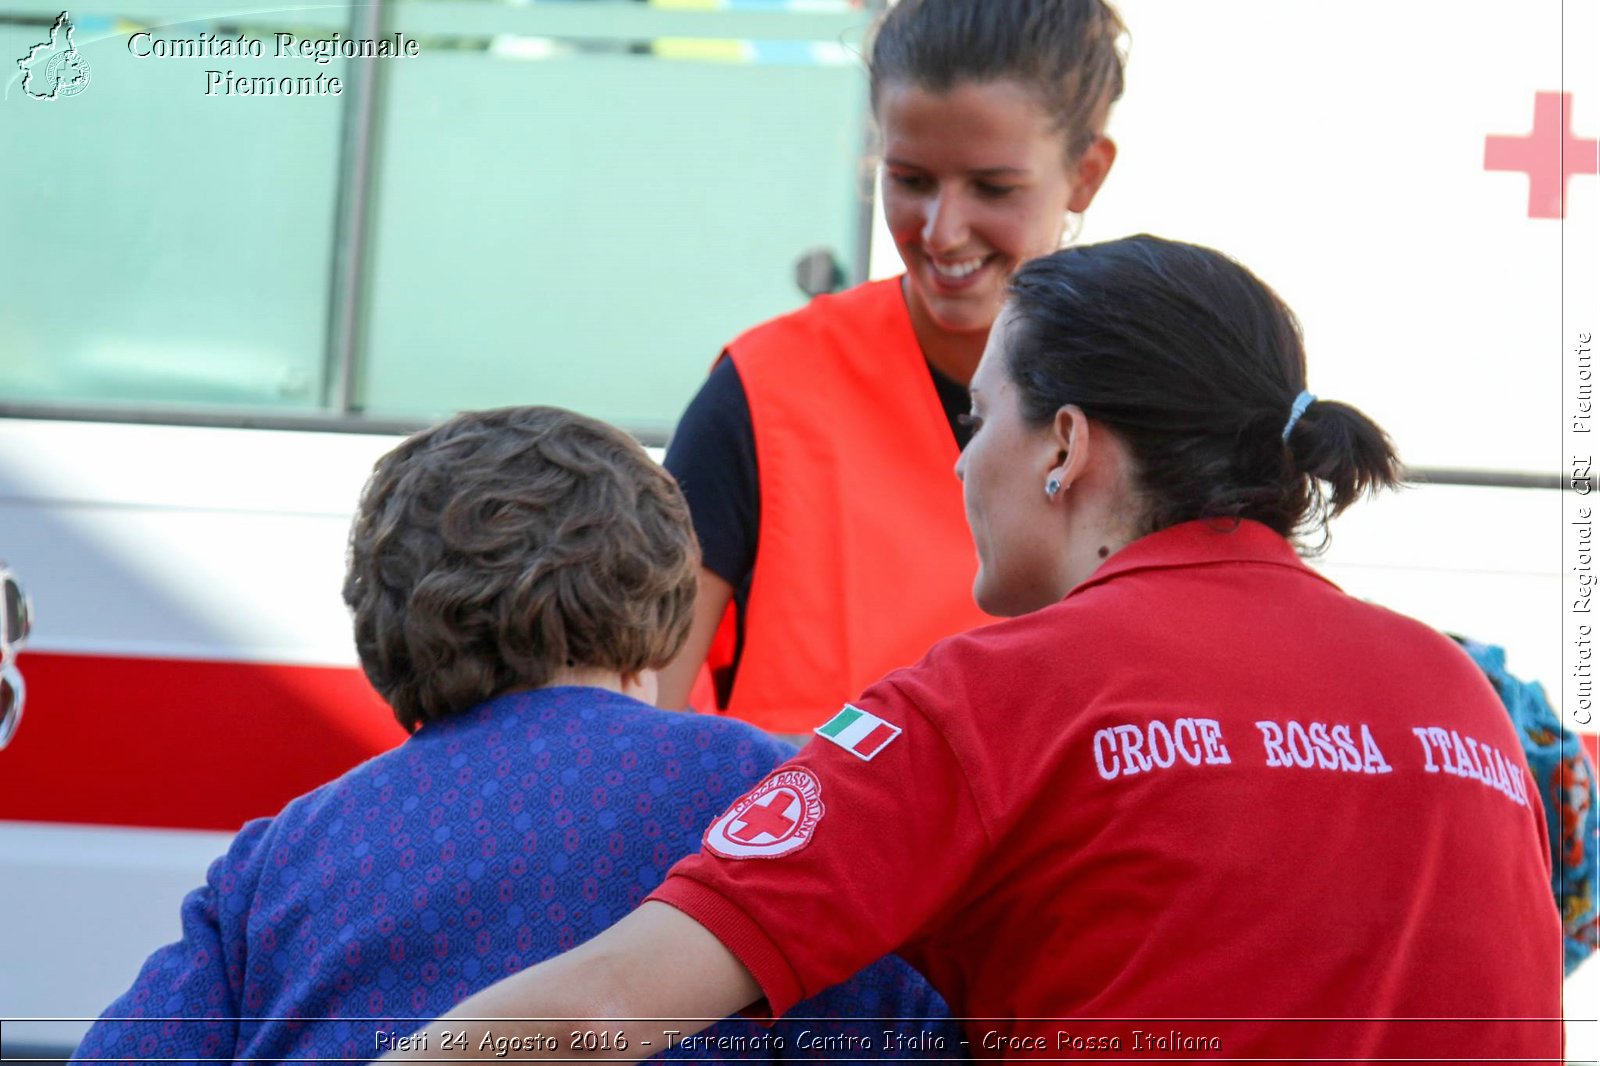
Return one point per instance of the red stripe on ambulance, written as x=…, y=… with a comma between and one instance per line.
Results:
x=183, y=744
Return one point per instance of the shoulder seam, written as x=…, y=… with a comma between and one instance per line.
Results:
x=955, y=757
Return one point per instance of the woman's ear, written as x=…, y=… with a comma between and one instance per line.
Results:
x=1089, y=173
x=1070, y=437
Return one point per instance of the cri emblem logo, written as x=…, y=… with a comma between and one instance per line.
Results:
x=55, y=69
x=775, y=818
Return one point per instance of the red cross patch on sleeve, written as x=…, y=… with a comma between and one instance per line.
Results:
x=775, y=818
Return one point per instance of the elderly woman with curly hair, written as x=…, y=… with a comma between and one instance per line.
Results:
x=516, y=577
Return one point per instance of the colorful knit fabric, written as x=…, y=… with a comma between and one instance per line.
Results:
x=1566, y=785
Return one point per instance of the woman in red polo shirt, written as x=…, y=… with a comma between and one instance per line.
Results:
x=1189, y=798
x=824, y=434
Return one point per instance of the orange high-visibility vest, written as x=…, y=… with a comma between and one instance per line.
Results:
x=864, y=557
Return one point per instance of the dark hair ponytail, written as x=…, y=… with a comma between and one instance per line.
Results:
x=1197, y=365
x=1336, y=446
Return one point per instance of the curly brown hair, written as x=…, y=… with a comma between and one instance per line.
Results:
x=499, y=547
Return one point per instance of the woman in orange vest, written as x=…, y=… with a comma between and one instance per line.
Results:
x=816, y=458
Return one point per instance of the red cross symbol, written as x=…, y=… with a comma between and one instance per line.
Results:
x=1547, y=156
x=766, y=817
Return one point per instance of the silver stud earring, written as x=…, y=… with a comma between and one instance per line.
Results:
x=1052, y=487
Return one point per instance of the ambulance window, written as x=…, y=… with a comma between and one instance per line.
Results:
x=162, y=246
x=588, y=225
x=574, y=204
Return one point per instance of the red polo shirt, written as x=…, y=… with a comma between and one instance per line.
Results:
x=1206, y=805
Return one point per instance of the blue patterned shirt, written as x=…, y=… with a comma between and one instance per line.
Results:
x=483, y=844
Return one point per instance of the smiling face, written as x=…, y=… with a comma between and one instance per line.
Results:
x=1003, y=471
x=975, y=181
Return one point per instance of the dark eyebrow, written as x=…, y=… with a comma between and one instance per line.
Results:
x=986, y=172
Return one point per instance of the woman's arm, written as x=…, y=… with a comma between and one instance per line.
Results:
x=713, y=456
x=677, y=678
x=657, y=964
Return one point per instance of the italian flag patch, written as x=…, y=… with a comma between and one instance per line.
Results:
x=861, y=734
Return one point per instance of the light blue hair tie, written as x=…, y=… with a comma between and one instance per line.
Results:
x=1301, y=402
